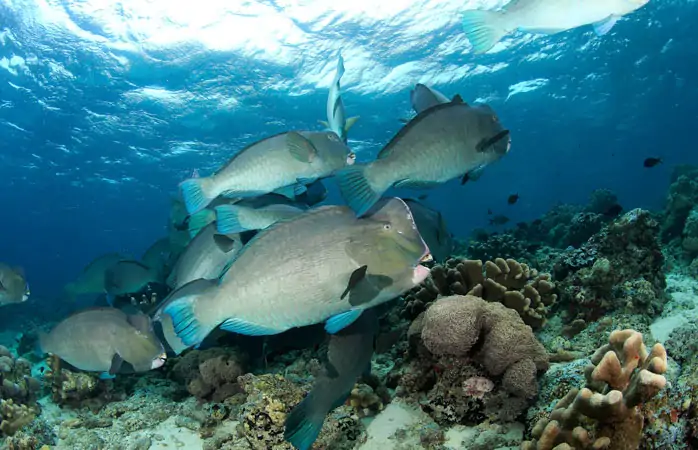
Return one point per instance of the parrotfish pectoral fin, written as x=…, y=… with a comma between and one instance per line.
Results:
x=306, y=181
x=412, y=184
x=228, y=219
x=350, y=123
x=604, y=26
x=116, y=363
x=355, y=278
x=303, y=424
x=248, y=328
x=110, y=299
x=224, y=243
x=483, y=29
x=300, y=147
x=195, y=197
x=341, y=321
x=106, y=376
x=356, y=189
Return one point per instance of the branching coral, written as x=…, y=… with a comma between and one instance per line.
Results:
x=506, y=281
x=622, y=375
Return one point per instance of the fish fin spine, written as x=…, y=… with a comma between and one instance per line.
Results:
x=604, y=26
x=303, y=424
x=357, y=190
x=483, y=29
x=196, y=193
x=339, y=322
x=228, y=219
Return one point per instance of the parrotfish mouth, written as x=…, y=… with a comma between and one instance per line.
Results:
x=351, y=158
x=159, y=361
x=427, y=257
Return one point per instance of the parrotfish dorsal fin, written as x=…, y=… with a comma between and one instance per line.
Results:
x=457, y=99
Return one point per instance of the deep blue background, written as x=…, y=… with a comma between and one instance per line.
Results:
x=609, y=103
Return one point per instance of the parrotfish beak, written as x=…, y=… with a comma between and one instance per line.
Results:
x=427, y=257
x=351, y=158
x=159, y=361
x=419, y=274
x=26, y=294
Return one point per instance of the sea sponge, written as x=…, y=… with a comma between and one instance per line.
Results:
x=492, y=334
x=507, y=281
x=621, y=376
x=211, y=374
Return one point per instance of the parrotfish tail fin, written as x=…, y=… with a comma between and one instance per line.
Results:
x=188, y=324
x=228, y=220
x=483, y=29
x=358, y=192
x=304, y=422
x=200, y=220
x=195, y=193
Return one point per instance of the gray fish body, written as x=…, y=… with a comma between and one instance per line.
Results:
x=349, y=355
x=290, y=159
x=91, y=280
x=157, y=257
x=13, y=285
x=204, y=258
x=423, y=97
x=128, y=277
x=90, y=339
x=313, y=260
x=433, y=228
x=437, y=146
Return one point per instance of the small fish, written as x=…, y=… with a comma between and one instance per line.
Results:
x=284, y=163
x=651, y=162
x=441, y=143
x=613, y=210
x=499, y=220
x=336, y=116
x=13, y=285
x=349, y=355
x=513, y=198
x=282, y=280
x=105, y=340
x=485, y=28
x=128, y=277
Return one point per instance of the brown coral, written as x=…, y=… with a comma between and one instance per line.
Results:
x=507, y=281
x=622, y=376
x=505, y=345
x=210, y=374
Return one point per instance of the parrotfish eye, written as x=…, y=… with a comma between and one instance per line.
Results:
x=333, y=137
x=387, y=227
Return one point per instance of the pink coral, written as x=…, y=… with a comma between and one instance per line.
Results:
x=477, y=387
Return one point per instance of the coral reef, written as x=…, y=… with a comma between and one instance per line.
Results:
x=79, y=389
x=622, y=375
x=513, y=284
x=18, y=393
x=210, y=374
x=621, y=267
x=471, y=359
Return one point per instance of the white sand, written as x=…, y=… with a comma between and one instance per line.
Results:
x=684, y=293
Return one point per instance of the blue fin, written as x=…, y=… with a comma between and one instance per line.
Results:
x=200, y=220
x=194, y=197
x=306, y=181
x=291, y=191
x=302, y=427
x=110, y=299
x=227, y=220
x=248, y=328
x=604, y=26
x=187, y=327
x=341, y=321
x=106, y=376
x=356, y=189
x=483, y=30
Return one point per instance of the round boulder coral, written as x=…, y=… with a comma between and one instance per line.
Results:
x=451, y=326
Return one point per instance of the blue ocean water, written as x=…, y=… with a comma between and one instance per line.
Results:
x=106, y=106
